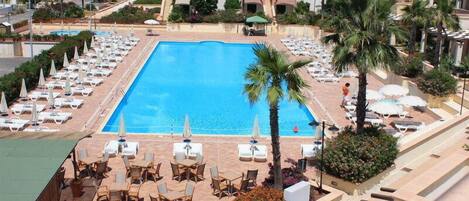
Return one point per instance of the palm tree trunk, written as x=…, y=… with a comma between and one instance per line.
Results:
x=361, y=102
x=439, y=38
x=276, y=157
x=413, y=32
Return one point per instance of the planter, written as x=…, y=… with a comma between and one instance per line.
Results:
x=77, y=187
x=436, y=101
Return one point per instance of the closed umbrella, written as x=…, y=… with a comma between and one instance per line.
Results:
x=412, y=101
x=151, y=22
x=50, y=99
x=34, y=116
x=187, y=133
x=52, y=71
x=132, y=30
x=256, y=131
x=66, y=64
x=92, y=44
x=85, y=47
x=42, y=81
x=3, y=105
x=373, y=95
x=76, y=56
x=386, y=107
x=122, y=132
x=24, y=91
x=61, y=26
x=81, y=75
x=393, y=90
x=68, y=87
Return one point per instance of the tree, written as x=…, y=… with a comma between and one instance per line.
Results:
x=232, y=4
x=204, y=7
x=362, y=32
x=272, y=75
x=416, y=15
x=443, y=18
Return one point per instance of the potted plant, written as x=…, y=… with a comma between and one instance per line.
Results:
x=439, y=84
x=77, y=187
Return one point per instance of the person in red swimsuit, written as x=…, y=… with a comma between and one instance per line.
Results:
x=345, y=93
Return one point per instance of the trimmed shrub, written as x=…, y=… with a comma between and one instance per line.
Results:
x=147, y=2
x=53, y=11
x=129, y=15
x=232, y=4
x=290, y=175
x=11, y=82
x=438, y=82
x=261, y=194
x=359, y=157
x=204, y=7
x=411, y=67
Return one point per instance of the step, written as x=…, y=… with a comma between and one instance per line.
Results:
x=458, y=97
x=451, y=107
x=443, y=114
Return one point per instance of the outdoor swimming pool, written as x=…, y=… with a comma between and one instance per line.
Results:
x=76, y=32
x=204, y=80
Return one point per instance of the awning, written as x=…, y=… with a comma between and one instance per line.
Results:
x=253, y=2
x=182, y=2
x=30, y=160
x=286, y=2
x=256, y=19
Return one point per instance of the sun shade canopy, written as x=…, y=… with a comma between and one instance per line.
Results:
x=256, y=19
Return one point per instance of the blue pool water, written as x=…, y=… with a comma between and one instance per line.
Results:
x=205, y=81
x=76, y=32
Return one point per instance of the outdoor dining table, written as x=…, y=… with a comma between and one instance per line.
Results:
x=230, y=177
x=173, y=195
x=187, y=164
x=141, y=163
x=121, y=188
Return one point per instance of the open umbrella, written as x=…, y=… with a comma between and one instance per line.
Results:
x=66, y=64
x=85, y=47
x=256, y=131
x=412, y=101
x=122, y=132
x=68, y=87
x=373, y=95
x=187, y=133
x=52, y=71
x=61, y=25
x=393, y=90
x=132, y=30
x=40, y=27
x=151, y=22
x=50, y=98
x=256, y=19
x=3, y=105
x=114, y=27
x=386, y=107
x=76, y=56
x=24, y=91
x=34, y=116
x=42, y=81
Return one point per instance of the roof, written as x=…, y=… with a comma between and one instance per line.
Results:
x=256, y=19
x=30, y=160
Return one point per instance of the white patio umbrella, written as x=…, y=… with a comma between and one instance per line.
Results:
x=24, y=91
x=81, y=76
x=373, y=95
x=151, y=22
x=89, y=24
x=3, y=104
x=256, y=131
x=393, y=90
x=40, y=27
x=412, y=101
x=386, y=107
x=68, y=27
x=85, y=47
x=132, y=30
x=76, y=56
x=66, y=63
x=52, y=71
x=34, y=116
x=42, y=81
x=92, y=44
x=121, y=132
x=50, y=99
x=187, y=133
x=68, y=87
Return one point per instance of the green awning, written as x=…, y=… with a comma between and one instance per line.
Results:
x=256, y=19
x=27, y=165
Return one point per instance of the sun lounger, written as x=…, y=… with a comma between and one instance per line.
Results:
x=99, y=72
x=403, y=125
x=64, y=75
x=130, y=149
x=245, y=152
x=196, y=148
x=328, y=78
x=36, y=95
x=13, y=124
x=92, y=81
x=74, y=103
x=260, y=153
x=111, y=147
x=57, y=117
x=370, y=118
x=84, y=91
x=309, y=150
x=58, y=84
x=179, y=148
x=350, y=108
x=20, y=108
x=40, y=129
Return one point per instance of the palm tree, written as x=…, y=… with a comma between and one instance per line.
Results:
x=443, y=18
x=272, y=76
x=416, y=15
x=362, y=36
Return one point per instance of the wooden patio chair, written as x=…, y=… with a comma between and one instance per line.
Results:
x=154, y=172
x=162, y=189
x=177, y=175
x=199, y=172
x=100, y=170
x=251, y=175
x=219, y=188
x=189, y=191
x=102, y=193
x=242, y=187
x=136, y=174
x=133, y=193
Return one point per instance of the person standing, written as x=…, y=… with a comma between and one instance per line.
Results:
x=345, y=93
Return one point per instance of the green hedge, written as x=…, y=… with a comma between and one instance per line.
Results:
x=359, y=157
x=130, y=15
x=438, y=82
x=11, y=83
x=54, y=11
x=147, y=2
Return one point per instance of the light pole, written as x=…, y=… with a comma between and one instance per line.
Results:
x=31, y=28
x=463, y=89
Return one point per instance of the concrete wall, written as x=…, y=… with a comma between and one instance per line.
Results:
x=38, y=47
x=7, y=49
x=298, y=30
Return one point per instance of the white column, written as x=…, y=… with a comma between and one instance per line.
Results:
x=392, y=40
x=458, y=55
x=422, y=41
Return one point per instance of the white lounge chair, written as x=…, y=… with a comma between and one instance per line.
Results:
x=13, y=124
x=74, y=103
x=196, y=148
x=92, y=81
x=260, y=153
x=404, y=126
x=130, y=149
x=57, y=117
x=99, y=72
x=58, y=84
x=245, y=152
x=179, y=148
x=111, y=147
x=20, y=108
x=36, y=95
x=309, y=150
x=84, y=91
x=64, y=75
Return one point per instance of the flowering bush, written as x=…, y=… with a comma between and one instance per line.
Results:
x=261, y=194
x=291, y=175
x=438, y=82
